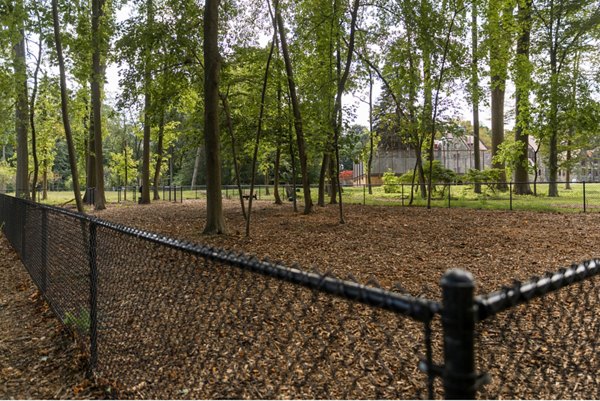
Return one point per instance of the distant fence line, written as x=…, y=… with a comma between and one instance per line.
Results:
x=581, y=196
x=163, y=318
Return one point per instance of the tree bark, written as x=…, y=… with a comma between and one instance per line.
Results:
x=159, y=153
x=236, y=167
x=21, y=108
x=259, y=130
x=90, y=167
x=276, y=174
x=297, y=115
x=196, y=167
x=65, y=107
x=475, y=89
x=36, y=167
x=521, y=186
x=215, y=221
x=145, y=195
x=96, y=86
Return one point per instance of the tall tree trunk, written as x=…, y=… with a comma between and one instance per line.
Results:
x=292, y=157
x=36, y=167
x=259, y=130
x=337, y=110
x=159, y=153
x=553, y=150
x=523, y=83
x=475, y=89
x=322, y=177
x=276, y=178
x=97, y=85
x=145, y=196
x=279, y=141
x=21, y=107
x=196, y=167
x=436, y=104
x=236, y=167
x=499, y=44
x=215, y=221
x=297, y=115
x=65, y=107
x=90, y=166
x=371, y=133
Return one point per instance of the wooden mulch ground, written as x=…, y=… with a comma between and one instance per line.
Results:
x=406, y=247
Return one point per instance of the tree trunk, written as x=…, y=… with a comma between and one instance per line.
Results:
x=278, y=152
x=523, y=83
x=236, y=166
x=259, y=130
x=97, y=85
x=21, y=110
x=337, y=109
x=475, y=89
x=65, y=107
x=145, y=195
x=322, y=177
x=276, y=178
x=215, y=221
x=297, y=115
x=196, y=167
x=36, y=167
x=159, y=153
x=90, y=166
x=371, y=133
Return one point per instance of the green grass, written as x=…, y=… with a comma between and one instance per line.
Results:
x=569, y=200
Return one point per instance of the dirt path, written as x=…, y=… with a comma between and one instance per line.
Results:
x=38, y=358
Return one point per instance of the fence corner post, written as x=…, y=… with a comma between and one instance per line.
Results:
x=458, y=321
x=92, y=253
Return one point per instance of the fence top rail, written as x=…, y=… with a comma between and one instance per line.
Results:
x=496, y=302
x=416, y=308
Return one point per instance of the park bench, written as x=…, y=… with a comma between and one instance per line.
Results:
x=247, y=196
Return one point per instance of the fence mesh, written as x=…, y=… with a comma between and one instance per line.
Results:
x=165, y=319
x=171, y=324
x=546, y=348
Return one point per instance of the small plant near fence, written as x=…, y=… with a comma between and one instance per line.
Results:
x=78, y=321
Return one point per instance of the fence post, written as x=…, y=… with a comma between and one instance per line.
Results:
x=92, y=253
x=449, y=187
x=44, y=252
x=364, y=194
x=584, y=203
x=510, y=192
x=402, y=195
x=24, y=233
x=458, y=321
x=181, y=193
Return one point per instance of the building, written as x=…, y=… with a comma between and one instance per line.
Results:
x=455, y=153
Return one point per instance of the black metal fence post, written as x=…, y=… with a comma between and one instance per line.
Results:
x=44, y=251
x=364, y=194
x=458, y=321
x=584, y=200
x=449, y=186
x=92, y=252
x=402, y=193
x=181, y=197
x=510, y=185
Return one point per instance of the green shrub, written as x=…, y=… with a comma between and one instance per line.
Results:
x=391, y=182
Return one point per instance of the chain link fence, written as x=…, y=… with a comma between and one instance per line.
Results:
x=160, y=318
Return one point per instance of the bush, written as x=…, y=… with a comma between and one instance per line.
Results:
x=391, y=182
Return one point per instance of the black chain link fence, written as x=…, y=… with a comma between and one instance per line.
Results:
x=161, y=318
